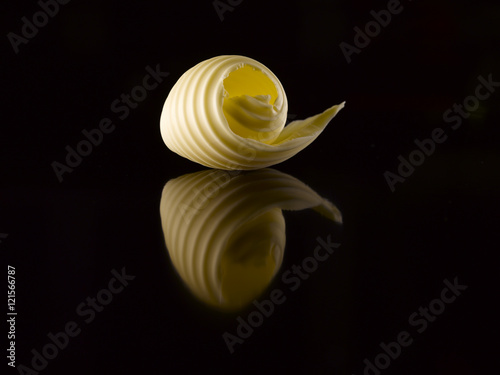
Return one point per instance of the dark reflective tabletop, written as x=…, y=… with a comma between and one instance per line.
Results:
x=372, y=251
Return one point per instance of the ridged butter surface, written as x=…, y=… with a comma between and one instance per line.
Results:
x=229, y=112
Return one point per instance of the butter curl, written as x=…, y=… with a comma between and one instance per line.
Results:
x=229, y=112
x=225, y=232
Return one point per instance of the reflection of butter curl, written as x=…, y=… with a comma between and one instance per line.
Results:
x=229, y=112
x=225, y=232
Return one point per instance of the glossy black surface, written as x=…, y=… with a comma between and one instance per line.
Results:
x=396, y=248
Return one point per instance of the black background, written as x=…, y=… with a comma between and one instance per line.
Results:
x=397, y=248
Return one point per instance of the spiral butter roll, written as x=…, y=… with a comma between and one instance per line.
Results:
x=225, y=231
x=229, y=112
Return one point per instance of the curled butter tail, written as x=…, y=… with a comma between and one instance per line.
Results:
x=225, y=231
x=229, y=112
